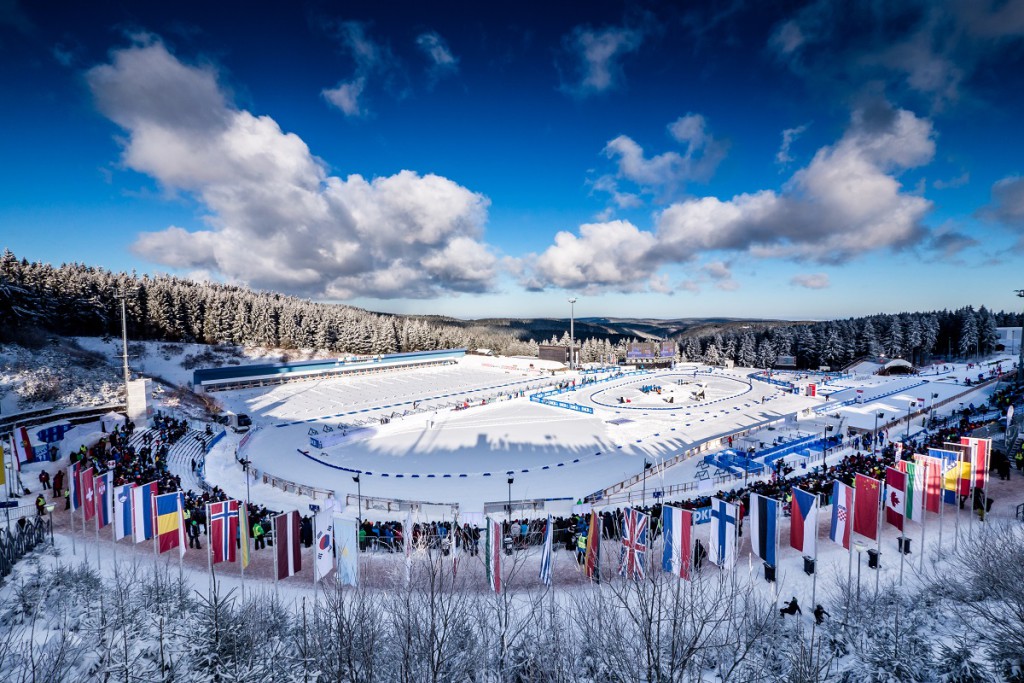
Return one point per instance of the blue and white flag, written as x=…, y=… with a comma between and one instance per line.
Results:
x=123, y=511
x=723, y=533
x=764, y=528
x=546, y=554
x=346, y=542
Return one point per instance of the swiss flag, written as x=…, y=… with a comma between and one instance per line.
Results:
x=867, y=493
x=895, y=497
x=85, y=484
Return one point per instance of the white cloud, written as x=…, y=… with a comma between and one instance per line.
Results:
x=346, y=96
x=372, y=61
x=846, y=202
x=604, y=255
x=721, y=274
x=442, y=61
x=1007, y=205
x=789, y=136
x=596, y=57
x=276, y=218
x=811, y=281
x=663, y=174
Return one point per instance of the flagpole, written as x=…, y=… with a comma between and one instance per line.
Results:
x=277, y=540
x=315, y=564
x=243, y=535
x=156, y=535
x=95, y=506
x=972, y=479
x=878, y=535
x=849, y=571
x=209, y=547
x=113, y=518
x=956, y=496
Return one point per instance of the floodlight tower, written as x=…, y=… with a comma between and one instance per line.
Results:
x=572, y=333
x=122, y=296
x=1020, y=361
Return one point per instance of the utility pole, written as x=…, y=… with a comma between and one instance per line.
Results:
x=1020, y=361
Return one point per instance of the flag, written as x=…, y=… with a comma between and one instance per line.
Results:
x=346, y=539
x=865, y=514
x=803, y=531
x=323, y=544
x=3, y=465
x=74, y=489
x=895, y=497
x=492, y=554
x=951, y=466
x=243, y=534
x=966, y=460
x=88, y=493
x=287, y=544
x=764, y=524
x=916, y=472
x=723, y=533
x=632, y=560
x=142, y=511
x=842, y=510
x=123, y=511
x=592, y=565
x=104, y=488
x=980, y=450
x=170, y=522
x=932, y=498
x=678, y=554
x=546, y=553
x=223, y=519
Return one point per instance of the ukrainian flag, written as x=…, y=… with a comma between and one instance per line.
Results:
x=170, y=527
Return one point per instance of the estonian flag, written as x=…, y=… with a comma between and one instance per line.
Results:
x=764, y=522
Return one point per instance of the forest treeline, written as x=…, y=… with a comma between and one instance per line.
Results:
x=76, y=299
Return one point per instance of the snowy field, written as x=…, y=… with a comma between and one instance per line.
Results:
x=439, y=455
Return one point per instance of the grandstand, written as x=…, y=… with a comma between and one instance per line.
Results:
x=247, y=376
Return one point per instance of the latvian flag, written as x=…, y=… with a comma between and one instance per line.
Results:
x=678, y=553
x=842, y=510
x=288, y=557
x=223, y=518
x=895, y=497
x=492, y=554
x=803, y=534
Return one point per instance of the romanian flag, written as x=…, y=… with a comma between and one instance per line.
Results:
x=170, y=523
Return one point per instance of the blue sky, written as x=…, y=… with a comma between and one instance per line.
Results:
x=804, y=160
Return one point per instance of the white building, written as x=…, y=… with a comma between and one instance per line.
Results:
x=1010, y=338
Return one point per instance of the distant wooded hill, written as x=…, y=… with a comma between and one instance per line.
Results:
x=75, y=299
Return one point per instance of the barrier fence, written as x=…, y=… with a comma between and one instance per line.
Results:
x=17, y=542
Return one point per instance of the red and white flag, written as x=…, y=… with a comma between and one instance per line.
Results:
x=980, y=449
x=286, y=541
x=85, y=486
x=865, y=508
x=895, y=497
x=223, y=530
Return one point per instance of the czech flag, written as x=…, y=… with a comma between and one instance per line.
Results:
x=803, y=533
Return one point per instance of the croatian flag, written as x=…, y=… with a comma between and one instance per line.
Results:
x=546, y=554
x=104, y=486
x=723, y=533
x=123, y=511
x=803, y=534
x=678, y=524
x=142, y=511
x=842, y=510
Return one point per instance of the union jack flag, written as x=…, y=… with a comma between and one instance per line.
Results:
x=633, y=560
x=223, y=530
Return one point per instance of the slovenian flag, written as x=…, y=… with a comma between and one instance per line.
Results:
x=142, y=511
x=803, y=535
x=123, y=511
x=678, y=553
x=842, y=510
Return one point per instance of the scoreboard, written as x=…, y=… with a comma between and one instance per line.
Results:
x=650, y=350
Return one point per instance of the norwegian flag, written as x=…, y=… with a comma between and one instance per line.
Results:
x=223, y=530
x=632, y=562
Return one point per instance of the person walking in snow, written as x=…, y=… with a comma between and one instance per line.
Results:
x=792, y=608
